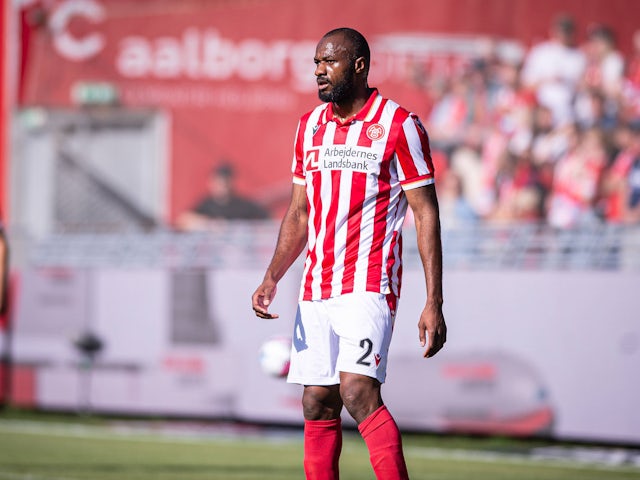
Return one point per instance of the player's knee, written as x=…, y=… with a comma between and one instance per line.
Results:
x=321, y=403
x=361, y=396
x=354, y=397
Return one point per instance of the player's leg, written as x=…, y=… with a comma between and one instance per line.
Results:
x=365, y=327
x=313, y=361
x=362, y=399
x=322, y=431
x=360, y=395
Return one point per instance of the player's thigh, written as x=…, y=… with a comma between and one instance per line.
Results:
x=364, y=325
x=315, y=346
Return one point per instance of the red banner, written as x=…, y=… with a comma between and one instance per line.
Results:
x=235, y=76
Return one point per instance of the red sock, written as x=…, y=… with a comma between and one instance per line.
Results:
x=322, y=447
x=382, y=437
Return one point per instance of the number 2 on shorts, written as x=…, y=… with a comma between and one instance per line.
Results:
x=368, y=345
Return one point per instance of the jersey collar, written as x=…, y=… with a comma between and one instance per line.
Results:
x=361, y=115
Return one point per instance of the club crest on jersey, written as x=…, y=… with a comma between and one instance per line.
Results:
x=375, y=131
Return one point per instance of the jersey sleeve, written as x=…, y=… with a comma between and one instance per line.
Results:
x=297, y=166
x=413, y=154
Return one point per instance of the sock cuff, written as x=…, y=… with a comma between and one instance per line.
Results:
x=319, y=426
x=375, y=420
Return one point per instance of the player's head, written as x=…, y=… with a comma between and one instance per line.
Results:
x=342, y=64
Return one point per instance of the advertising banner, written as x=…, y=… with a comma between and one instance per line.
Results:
x=234, y=77
x=518, y=361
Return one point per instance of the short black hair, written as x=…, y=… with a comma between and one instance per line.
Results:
x=565, y=24
x=359, y=43
x=223, y=169
x=602, y=32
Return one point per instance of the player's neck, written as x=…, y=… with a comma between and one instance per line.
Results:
x=350, y=108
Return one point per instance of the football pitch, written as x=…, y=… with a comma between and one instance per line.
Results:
x=71, y=449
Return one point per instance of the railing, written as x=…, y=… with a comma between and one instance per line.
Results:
x=480, y=247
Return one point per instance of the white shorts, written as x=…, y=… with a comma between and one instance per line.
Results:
x=349, y=333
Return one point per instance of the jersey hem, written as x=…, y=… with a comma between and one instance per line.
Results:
x=386, y=291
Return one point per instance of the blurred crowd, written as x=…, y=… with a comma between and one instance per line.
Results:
x=551, y=135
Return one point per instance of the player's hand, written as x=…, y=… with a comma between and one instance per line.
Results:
x=262, y=298
x=432, y=330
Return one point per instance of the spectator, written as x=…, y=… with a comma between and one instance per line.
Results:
x=630, y=101
x=620, y=188
x=455, y=210
x=450, y=116
x=553, y=68
x=528, y=135
x=220, y=204
x=632, y=206
x=548, y=143
x=576, y=179
x=598, y=95
x=605, y=66
x=466, y=164
x=520, y=194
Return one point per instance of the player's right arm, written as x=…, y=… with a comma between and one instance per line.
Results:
x=291, y=241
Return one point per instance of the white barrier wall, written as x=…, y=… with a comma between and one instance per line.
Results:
x=528, y=352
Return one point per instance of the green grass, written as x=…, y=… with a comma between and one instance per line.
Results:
x=69, y=448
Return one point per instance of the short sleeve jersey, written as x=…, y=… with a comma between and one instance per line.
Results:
x=355, y=174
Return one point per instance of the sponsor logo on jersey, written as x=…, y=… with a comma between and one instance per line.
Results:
x=311, y=160
x=343, y=157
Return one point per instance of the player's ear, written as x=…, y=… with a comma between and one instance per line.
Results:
x=360, y=65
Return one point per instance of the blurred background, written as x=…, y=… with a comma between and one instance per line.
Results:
x=145, y=154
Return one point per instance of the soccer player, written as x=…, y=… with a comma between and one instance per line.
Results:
x=359, y=160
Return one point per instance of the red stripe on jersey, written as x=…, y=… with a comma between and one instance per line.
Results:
x=299, y=146
x=354, y=224
x=340, y=137
x=363, y=139
x=329, y=244
x=312, y=257
x=317, y=137
x=374, y=272
x=424, y=141
x=394, y=257
x=358, y=192
x=404, y=153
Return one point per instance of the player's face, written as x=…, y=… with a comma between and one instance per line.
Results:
x=335, y=70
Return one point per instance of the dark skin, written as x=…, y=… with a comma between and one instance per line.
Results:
x=343, y=80
x=334, y=65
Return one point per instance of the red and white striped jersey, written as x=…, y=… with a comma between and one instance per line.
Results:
x=354, y=174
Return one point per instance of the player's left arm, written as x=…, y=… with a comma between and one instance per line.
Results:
x=432, y=329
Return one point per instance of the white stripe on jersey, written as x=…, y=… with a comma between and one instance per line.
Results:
x=354, y=175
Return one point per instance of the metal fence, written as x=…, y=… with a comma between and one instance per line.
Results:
x=478, y=247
